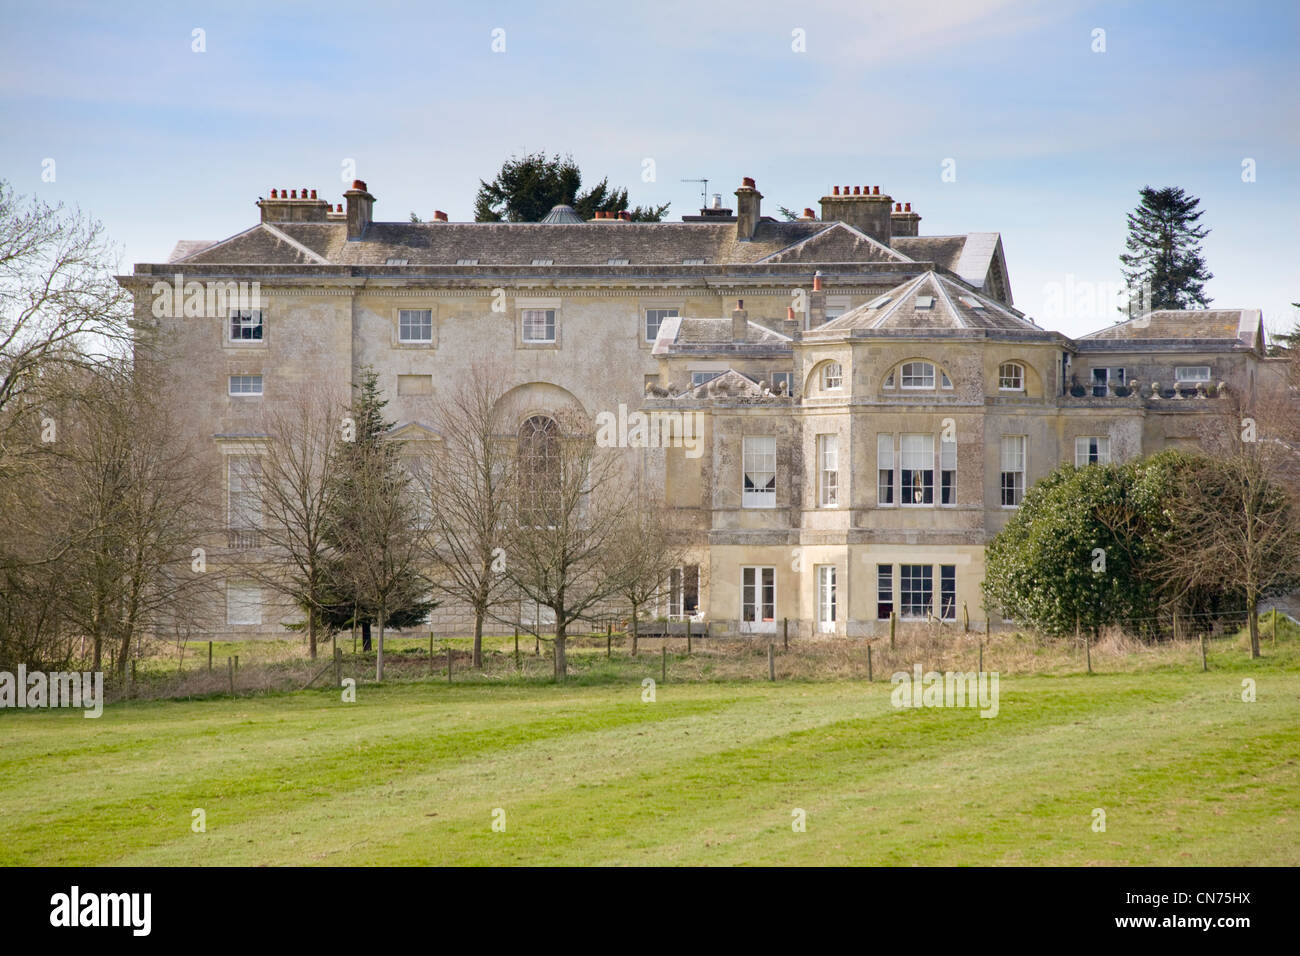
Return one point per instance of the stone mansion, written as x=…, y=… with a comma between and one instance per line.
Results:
x=871, y=404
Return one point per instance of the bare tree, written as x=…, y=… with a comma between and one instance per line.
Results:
x=294, y=483
x=128, y=489
x=468, y=487
x=570, y=500
x=647, y=555
x=60, y=306
x=1234, y=514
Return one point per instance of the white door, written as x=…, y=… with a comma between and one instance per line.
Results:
x=826, y=598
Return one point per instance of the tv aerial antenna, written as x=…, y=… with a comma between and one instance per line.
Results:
x=704, y=191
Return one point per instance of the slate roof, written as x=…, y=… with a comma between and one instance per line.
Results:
x=681, y=336
x=929, y=302
x=1233, y=326
x=579, y=244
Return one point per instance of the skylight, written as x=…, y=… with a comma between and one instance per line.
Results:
x=466, y=262
x=925, y=301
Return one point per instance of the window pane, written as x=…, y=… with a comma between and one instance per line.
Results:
x=415, y=325
x=539, y=325
x=884, y=590
x=828, y=470
x=653, y=319
x=918, y=375
x=885, y=469
x=916, y=583
x=948, y=592
x=759, y=464
x=917, y=461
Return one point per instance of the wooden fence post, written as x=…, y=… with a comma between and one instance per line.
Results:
x=771, y=660
x=537, y=646
x=236, y=663
x=209, y=655
x=338, y=667
x=1275, y=628
x=965, y=618
x=868, y=663
x=609, y=642
x=519, y=665
x=981, y=670
x=448, y=663
x=785, y=632
x=663, y=650
x=1087, y=650
x=230, y=672
x=1205, y=666
x=688, y=637
x=430, y=653
x=893, y=622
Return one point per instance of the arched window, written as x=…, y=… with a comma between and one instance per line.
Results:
x=539, y=470
x=1011, y=377
x=832, y=376
x=917, y=375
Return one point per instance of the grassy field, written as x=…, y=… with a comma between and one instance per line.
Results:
x=709, y=773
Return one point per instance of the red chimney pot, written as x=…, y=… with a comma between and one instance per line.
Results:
x=808, y=213
x=313, y=194
x=439, y=216
x=909, y=207
x=748, y=181
x=273, y=194
x=836, y=189
x=817, y=282
x=293, y=194
x=877, y=190
x=857, y=190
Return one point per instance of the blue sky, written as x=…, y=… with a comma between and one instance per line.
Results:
x=1051, y=140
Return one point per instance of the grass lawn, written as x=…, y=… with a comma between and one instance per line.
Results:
x=710, y=773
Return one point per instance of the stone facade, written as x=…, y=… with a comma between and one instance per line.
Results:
x=735, y=320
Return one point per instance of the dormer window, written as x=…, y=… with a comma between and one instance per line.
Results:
x=832, y=376
x=918, y=375
x=1011, y=377
x=616, y=262
x=466, y=262
x=543, y=262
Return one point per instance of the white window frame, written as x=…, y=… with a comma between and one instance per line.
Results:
x=661, y=314
x=916, y=454
x=250, y=381
x=1110, y=374
x=1091, y=450
x=885, y=590
x=756, y=580
x=243, y=501
x=548, y=324
x=828, y=470
x=885, y=462
x=920, y=575
x=903, y=375
x=757, y=453
x=1018, y=377
x=407, y=322
x=1013, y=452
x=947, y=572
x=250, y=320
x=787, y=377
x=827, y=598
x=832, y=376
x=947, y=466
x=1181, y=373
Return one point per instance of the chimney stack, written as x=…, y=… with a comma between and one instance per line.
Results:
x=904, y=222
x=286, y=205
x=360, y=209
x=863, y=208
x=739, y=322
x=748, y=206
